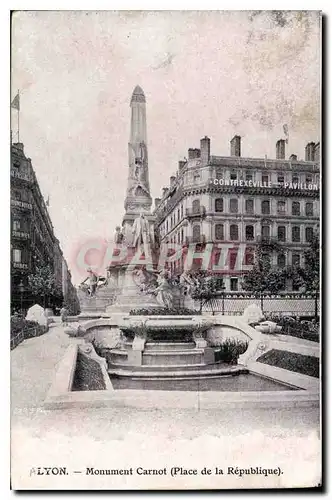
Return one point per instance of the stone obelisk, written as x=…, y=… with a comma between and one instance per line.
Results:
x=138, y=221
x=138, y=198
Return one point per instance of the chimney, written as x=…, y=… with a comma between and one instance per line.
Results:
x=236, y=146
x=193, y=153
x=181, y=164
x=156, y=202
x=280, y=149
x=293, y=157
x=310, y=152
x=317, y=152
x=205, y=150
x=172, y=179
x=164, y=191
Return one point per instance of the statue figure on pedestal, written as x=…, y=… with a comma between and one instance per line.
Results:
x=143, y=233
x=164, y=291
x=118, y=235
x=92, y=280
x=145, y=280
x=187, y=284
x=89, y=285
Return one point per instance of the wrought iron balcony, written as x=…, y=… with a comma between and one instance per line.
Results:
x=198, y=240
x=195, y=212
x=268, y=240
x=20, y=265
x=21, y=204
x=20, y=234
x=21, y=176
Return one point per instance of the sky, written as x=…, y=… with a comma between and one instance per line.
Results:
x=203, y=73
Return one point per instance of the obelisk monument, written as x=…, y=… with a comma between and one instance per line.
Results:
x=138, y=199
x=138, y=221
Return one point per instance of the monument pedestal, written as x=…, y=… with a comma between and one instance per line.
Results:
x=130, y=297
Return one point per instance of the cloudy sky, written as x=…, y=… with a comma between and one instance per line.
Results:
x=203, y=73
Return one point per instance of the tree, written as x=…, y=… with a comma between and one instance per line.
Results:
x=309, y=274
x=262, y=278
x=207, y=288
x=42, y=284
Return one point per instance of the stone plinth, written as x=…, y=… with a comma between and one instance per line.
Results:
x=130, y=297
x=104, y=297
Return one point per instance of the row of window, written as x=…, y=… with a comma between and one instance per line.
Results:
x=281, y=259
x=234, y=285
x=18, y=194
x=265, y=207
x=20, y=225
x=249, y=259
x=174, y=219
x=249, y=209
x=219, y=207
x=250, y=235
x=266, y=232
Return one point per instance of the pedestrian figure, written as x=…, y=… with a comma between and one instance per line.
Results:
x=64, y=315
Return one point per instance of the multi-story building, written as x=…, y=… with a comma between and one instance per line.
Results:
x=235, y=202
x=69, y=291
x=32, y=234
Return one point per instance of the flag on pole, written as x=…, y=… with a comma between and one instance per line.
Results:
x=16, y=102
x=285, y=127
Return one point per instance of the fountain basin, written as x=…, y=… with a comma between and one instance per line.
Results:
x=165, y=347
x=164, y=328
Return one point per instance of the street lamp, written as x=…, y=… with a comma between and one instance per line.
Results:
x=21, y=290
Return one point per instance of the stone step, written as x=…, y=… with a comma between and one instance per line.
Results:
x=97, y=310
x=150, y=368
x=175, y=352
x=164, y=346
x=171, y=350
x=170, y=358
x=202, y=372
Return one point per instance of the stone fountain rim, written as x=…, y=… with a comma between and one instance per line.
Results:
x=162, y=317
x=161, y=322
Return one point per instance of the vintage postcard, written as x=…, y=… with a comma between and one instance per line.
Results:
x=165, y=250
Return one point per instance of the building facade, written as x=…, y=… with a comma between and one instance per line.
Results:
x=33, y=242
x=235, y=203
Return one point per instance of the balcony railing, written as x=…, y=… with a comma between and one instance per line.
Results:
x=198, y=212
x=198, y=239
x=20, y=265
x=268, y=240
x=20, y=234
x=21, y=204
x=20, y=175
